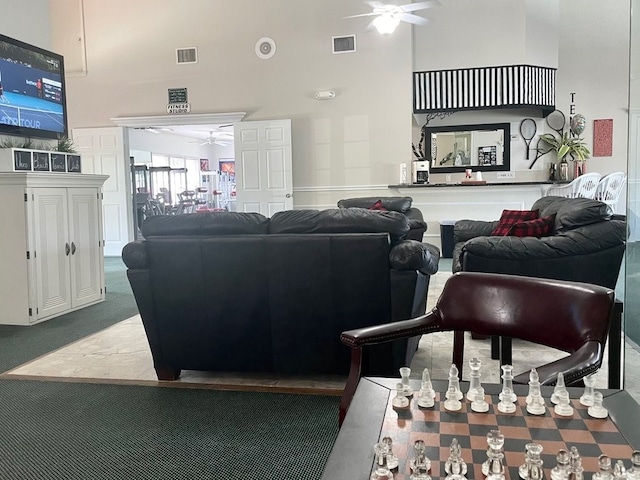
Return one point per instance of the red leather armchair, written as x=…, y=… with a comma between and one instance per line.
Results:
x=569, y=316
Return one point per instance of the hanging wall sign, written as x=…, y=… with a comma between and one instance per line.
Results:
x=178, y=101
x=178, y=95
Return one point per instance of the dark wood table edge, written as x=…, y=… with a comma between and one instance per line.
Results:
x=352, y=454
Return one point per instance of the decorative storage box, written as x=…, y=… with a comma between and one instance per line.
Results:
x=25, y=160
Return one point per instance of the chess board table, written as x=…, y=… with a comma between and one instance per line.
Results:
x=371, y=417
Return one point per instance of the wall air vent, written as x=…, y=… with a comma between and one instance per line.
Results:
x=186, y=55
x=508, y=86
x=345, y=44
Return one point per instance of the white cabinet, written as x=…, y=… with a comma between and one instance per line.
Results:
x=52, y=245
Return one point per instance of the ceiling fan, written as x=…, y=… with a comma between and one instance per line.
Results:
x=388, y=16
x=216, y=138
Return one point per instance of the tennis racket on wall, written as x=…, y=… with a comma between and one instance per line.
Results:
x=542, y=148
x=528, y=130
x=556, y=121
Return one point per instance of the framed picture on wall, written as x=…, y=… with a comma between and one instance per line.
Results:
x=228, y=166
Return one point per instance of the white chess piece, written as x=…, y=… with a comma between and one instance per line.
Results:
x=597, y=410
x=619, y=471
x=400, y=400
x=559, y=386
x=452, y=403
x=506, y=404
x=586, y=398
x=426, y=395
x=534, y=379
x=474, y=378
x=605, y=470
x=455, y=381
x=563, y=407
x=507, y=384
x=479, y=404
x=405, y=372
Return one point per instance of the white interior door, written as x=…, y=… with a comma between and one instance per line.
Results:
x=264, y=180
x=105, y=151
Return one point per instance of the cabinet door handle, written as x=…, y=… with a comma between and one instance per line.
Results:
x=66, y=249
x=73, y=248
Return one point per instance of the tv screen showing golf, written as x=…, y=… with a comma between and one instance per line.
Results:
x=32, y=93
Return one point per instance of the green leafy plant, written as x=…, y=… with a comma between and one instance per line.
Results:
x=19, y=143
x=65, y=144
x=567, y=145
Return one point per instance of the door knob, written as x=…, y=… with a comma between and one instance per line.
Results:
x=66, y=249
x=288, y=195
x=73, y=248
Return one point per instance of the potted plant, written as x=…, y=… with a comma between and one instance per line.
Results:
x=566, y=145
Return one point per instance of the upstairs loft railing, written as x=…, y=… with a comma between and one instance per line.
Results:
x=508, y=86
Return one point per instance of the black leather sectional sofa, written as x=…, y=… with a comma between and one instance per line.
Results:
x=239, y=292
x=587, y=244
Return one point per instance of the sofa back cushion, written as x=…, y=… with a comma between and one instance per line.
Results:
x=341, y=220
x=205, y=223
x=572, y=212
x=397, y=204
x=266, y=302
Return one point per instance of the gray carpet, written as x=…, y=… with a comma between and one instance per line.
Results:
x=53, y=430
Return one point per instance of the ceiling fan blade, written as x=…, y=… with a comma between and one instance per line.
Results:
x=361, y=15
x=412, y=7
x=415, y=19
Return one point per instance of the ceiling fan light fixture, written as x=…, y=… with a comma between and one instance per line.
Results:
x=386, y=23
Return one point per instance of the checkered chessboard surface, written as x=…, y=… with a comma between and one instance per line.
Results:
x=437, y=427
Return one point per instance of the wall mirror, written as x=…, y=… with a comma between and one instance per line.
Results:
x=455, y=148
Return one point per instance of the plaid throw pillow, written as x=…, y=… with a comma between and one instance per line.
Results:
x=510, y=217
x=540, y=227
x=378, y=206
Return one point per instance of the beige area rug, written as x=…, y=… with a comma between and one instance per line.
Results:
x=121, y=354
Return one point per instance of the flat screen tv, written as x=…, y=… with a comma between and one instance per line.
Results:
x=32, y=93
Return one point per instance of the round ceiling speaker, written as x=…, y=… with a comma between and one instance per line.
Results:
x=265, y=48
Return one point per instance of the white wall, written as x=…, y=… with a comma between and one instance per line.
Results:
x=355, y=142
x=468, y=33
x=358, y=138
x=27, y=20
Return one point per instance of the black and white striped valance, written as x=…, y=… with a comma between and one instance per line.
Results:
x=486, y=87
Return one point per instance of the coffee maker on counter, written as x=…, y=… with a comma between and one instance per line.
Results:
x=420, y=172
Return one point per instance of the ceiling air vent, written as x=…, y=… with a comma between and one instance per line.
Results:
x=346, y=44
x=186, y=55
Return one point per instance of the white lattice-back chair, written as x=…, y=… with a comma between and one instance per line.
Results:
x=583, y=186
x=609, y=189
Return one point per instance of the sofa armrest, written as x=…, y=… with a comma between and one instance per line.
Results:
x=414, y=255
x=417, y=225
x=134, y=255
x=464, y=230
